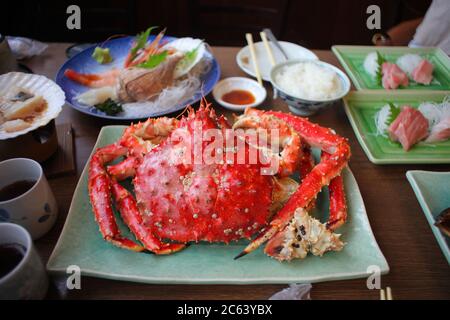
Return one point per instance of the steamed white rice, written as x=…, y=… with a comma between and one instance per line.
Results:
x=308, y=80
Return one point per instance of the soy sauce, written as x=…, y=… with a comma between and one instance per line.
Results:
x=15, y=189
x=10, y=256
x=239, y=97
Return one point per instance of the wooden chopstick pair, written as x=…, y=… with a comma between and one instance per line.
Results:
x=386, y=295
x=251, y=46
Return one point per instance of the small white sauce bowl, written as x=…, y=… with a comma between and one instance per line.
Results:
x=239, y=83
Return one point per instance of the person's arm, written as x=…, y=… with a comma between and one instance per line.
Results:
x=404, y=32
x=399, y=35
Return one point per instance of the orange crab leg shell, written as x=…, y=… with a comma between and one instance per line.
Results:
x=133, y=219
x=320, y=176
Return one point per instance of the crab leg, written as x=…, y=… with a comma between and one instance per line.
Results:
x=338, y=203
x=99, y=192
x=129, y=211
x=124, y=169
x=320, y=175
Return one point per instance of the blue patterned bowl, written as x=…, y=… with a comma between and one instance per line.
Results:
x=306, y=107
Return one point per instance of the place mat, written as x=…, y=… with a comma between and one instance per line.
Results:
x=63, y=161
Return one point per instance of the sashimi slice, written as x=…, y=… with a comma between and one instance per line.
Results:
x=409, y=127
x=440, y=131
x=393, y=76
x=423, y=73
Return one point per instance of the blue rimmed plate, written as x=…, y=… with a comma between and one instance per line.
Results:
x=84, y=63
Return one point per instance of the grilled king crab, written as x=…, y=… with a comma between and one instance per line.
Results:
x=177, y=202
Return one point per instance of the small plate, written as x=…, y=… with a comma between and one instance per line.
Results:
x=432, y=189
x=239, y=83
x=361, y=107
x=293, y=51
x=81, y=244
x=352, y=59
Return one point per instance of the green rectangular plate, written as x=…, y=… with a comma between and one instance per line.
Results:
x=361, y=107
x=81, y=244
x=432, y=189
x=352, y=59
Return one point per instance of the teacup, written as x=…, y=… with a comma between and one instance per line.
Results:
x=27, y=279
x=36, y=208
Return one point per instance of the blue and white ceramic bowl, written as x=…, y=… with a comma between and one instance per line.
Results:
x=307, y=107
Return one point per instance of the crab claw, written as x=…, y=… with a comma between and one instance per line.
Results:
x=321, y=175
x=302, y=235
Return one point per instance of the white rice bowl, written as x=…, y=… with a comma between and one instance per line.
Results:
x=308, y=80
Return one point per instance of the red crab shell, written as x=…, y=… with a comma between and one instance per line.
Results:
x=193, y=202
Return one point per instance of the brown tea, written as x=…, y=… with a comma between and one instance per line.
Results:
x=10, y=256
x=15, y=189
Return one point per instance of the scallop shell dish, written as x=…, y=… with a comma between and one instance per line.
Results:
x=27, y=102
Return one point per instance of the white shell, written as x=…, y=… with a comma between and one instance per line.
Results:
x=185, y=45
x=38, y=85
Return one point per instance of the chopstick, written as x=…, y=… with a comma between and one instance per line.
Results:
x=251, y=46
x=386, y=295
x=267, y=46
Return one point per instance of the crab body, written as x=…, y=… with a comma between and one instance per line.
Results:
x=192, y=202
x=180, y=198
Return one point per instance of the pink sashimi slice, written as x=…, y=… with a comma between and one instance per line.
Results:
x=409, y=127
x=393, y=76
x=440, y=131
x=423, y=73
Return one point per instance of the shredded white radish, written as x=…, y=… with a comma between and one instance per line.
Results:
x=381, y=120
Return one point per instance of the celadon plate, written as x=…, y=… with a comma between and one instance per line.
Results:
x=432, y=189
x=361, y=107
x=81, y=244
x=352, y=59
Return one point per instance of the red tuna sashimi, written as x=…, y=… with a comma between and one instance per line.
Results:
x=409, y=127
x=440, y=131
x=393, y=76
x=423, y=73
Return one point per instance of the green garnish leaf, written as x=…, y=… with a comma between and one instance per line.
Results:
x=188, y=57
x=394, y=112
x=154, y=60
x=110, y=107
x=102, y=55
x=141, y=41
x=380, y=61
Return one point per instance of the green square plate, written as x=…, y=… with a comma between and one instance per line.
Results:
x=432, y=189
x=352, y=59
x=81, y=244
x=361, y=107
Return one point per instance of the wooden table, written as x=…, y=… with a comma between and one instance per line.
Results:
x=418, y=267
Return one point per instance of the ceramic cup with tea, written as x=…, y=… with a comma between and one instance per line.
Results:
x=22, y=274
x=26, y=197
